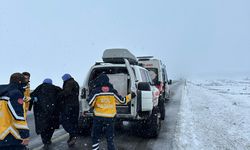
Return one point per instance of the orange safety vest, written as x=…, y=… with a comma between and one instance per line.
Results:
x=105, y=103
x=10, y=122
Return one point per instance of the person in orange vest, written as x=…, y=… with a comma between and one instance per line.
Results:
x=14, y=131
x=103, y=99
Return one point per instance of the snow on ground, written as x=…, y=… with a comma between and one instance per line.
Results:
x=215, y=114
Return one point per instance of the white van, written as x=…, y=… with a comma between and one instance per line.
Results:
x=158, y=74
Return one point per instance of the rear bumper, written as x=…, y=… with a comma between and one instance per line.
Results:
x=87, y=116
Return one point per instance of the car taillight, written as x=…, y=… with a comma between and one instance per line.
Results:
x=159, y=87
x=157, y=94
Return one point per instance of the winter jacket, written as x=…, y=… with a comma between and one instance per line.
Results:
x=45, y=101
x=104, y=98
x=69, y=106
x=69, y=95
x=13, y=125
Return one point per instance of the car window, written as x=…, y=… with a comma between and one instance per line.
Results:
x=148, y=77
x=143, y=75
x=153, y=73
x=107, y=70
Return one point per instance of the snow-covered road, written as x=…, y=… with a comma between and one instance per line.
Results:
x=127, y=138
x=215, y=114
x=201, y=115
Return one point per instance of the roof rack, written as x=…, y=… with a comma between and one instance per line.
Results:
x=117, y=55
x=145, y=57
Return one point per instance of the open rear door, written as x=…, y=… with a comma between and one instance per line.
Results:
x=132, y=86
x=132, y=76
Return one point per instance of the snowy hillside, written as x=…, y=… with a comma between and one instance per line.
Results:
x=215, y=114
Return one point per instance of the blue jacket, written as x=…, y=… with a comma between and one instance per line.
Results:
x=13, y=125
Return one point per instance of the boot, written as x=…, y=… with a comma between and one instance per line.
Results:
x=46, y=146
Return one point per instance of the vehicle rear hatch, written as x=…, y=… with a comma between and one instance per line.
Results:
x=119, y=78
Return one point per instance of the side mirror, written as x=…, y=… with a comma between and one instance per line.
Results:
x=169, y=82
x=144, y=86
x=83, y=93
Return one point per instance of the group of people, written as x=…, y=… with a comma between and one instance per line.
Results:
x=53, y=106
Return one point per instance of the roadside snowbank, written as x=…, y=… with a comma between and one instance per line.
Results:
x=215, y=114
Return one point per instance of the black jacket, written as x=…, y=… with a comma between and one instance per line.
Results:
x=69, y=95
x=45, y=101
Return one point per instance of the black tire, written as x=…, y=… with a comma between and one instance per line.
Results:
x=150, y=128
x=162, y=108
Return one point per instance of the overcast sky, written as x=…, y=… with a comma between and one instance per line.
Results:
x=194, y=38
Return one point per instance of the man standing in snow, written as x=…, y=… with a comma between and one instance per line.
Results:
x=14, y=131
x=103, y=99
x=69, y=107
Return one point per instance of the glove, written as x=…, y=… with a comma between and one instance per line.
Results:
x=133, y=95
x=35, y=99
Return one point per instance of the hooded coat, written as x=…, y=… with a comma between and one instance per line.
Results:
x=69, y=105
x=46, y=112
x=70, y=93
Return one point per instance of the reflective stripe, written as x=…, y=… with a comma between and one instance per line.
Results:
x=7, y=131
x=5, y=98
x=19, y=126
x=95, y=146
x=102, y=94
x=91, y=101
x=104, y=115
x=121, y=101
x=14, y=113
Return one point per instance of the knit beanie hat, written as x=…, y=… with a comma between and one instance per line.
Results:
x=66, y=77
x=47, y=80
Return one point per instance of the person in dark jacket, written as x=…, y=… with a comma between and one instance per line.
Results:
x=44, y=99
x=14, y=131
x=69, y=105
x=103, y=99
